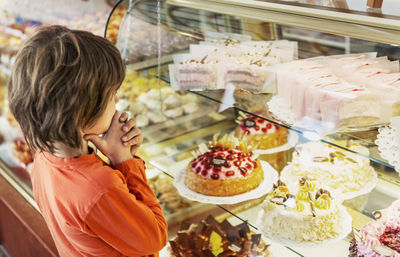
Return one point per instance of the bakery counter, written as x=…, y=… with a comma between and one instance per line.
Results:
x=360, y=206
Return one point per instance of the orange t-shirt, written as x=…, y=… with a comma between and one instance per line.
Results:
x=93, y=209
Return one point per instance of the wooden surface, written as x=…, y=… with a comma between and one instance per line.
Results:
x=23, y=231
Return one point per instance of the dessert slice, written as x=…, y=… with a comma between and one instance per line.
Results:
x=379, y=238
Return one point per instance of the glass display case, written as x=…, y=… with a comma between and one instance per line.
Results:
x=318, y=70
x=312, y=85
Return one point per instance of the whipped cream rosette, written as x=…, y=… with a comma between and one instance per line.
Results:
x=345, y=174
x=306, y=215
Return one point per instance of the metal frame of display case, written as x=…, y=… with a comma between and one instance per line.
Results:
x=352, y=24
x=20, y=186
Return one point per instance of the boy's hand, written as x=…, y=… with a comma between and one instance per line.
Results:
x=110, y=143
x=133, y=136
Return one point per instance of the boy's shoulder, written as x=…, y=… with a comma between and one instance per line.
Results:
x=100, y=175
x=88, y=175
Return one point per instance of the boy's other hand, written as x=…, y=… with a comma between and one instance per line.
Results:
x=110, y=143
x=133, y=136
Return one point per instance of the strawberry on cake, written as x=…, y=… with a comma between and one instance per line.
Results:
x=228, y=167
x=261, y=133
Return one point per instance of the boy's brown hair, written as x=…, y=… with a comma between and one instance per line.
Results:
x=61, y=82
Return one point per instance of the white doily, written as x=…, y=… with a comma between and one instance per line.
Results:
x=345, y=222
x=270, y=177
x=388, y=147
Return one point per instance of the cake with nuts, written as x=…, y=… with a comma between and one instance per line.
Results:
x=304, y=214
x=344, y=173
x=224, y=168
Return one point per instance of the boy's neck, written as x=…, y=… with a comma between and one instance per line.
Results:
x=64, y=151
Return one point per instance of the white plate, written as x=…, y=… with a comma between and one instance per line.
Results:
x=270, y=177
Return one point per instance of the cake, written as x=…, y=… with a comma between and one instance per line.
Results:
x=342, y=91
x=210, y=238
x=305, y=214
x=344, y=173
x=227, y=167
x=260, y=132
x=378, y=238
x=194, y=74
x=230, y=59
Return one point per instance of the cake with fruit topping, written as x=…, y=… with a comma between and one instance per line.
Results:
x=210, y=238
x=303, y=215
x=261, y=133
x=377, y=239
x=344, y=173
x=227, y=167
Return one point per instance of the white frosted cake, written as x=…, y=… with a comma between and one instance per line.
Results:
x=303, y=215
x=344, y=173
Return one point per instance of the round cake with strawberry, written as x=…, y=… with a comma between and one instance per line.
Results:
x=260, y=132
x=224, y=168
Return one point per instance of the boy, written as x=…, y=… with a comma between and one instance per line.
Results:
x=62, y=93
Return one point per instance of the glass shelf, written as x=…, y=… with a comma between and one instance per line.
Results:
x=365, y=138
x=321, y=29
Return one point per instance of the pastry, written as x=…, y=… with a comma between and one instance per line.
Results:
x=173, y=113
x=340, y=91
x=261, y=133
x=380, y=238
x=304, y=214
x=210, y=238
x=227, y=167
x=344, y=173
x=22, y=152
x=190, y=107
x=230, y=59
x=168, y=196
